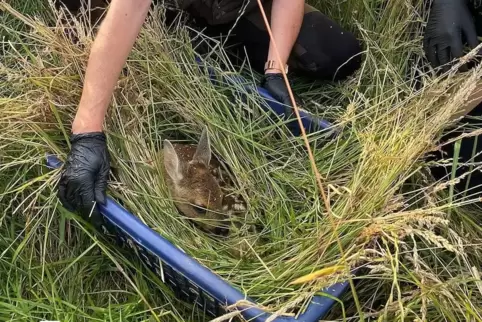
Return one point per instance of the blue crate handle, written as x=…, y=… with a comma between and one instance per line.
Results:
x=311, y=123
x=197, y=273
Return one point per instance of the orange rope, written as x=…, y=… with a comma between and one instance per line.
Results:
x=310, y=152
x=298, y=117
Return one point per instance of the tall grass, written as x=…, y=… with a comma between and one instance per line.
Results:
x=419, y=250
x=50, y=268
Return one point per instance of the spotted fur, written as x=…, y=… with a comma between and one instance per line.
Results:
x=199, y=185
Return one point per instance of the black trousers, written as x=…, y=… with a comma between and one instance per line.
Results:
x=323, y=49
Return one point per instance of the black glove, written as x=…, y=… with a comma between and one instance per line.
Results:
x=275, y=85
x=85, y=174
x=450, y=22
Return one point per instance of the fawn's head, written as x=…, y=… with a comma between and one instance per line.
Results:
x=194, y=189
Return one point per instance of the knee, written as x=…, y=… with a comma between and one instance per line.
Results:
x=95, y=8
x=71, y=5
x=348, y=59
x=325, y=50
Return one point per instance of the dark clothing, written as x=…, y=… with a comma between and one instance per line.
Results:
x=323, y=50
x=217, y=12
x=470, y=147
x=470, y=153
x=96, y=9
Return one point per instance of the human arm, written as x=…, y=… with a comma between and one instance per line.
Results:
x=84, y=177
x=108, y=55
x=286, y=20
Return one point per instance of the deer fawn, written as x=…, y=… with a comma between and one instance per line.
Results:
x=193, y=179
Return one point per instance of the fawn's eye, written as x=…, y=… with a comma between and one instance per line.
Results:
x=200, y=210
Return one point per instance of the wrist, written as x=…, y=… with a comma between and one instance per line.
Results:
x=99, y=136
x=273, y=67
x=85, y=125
x=273, y=71
x=273, y=76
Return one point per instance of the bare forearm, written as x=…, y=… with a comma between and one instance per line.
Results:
x=109, y=52
x=286, y=20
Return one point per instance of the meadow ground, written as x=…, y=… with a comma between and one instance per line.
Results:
x=418, y=240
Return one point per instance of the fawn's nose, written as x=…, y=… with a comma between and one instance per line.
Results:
x=222, y=231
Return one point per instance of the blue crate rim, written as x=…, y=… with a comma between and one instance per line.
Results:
x=197, y=273
x=310, y=122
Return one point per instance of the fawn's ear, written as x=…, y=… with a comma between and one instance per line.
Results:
x=203, y=151
x=171, y=162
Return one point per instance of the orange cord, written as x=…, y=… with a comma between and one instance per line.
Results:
x=311, y=156
x=303, y=131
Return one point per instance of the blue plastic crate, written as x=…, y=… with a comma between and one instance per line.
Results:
x=190, y=280
x=311, y=123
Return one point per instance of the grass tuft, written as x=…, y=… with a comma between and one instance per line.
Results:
x=416, y=241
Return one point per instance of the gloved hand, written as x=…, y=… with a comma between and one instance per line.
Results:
x=275, y=85
x=450, y=22
x=85, y=174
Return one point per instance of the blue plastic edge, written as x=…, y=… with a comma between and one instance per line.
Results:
x=196, y=272
x=310, y=122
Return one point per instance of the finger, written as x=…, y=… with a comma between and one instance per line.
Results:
x=426, y=43
x=92, y=214
x=87, y=199
x=101, y=186
x=457, y=48
x=431, y=53
x=471, y=36
x=80, y=194
x=96, y=218
x=444, y=58
x=100, y=191
x=286, y=100
x=72, y=195
x=61, y=194
x=89, y=210
x=299, y=101
x=472, y=40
